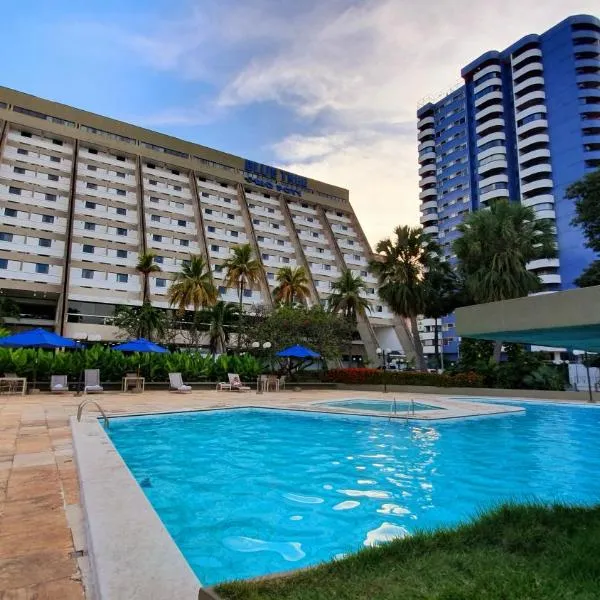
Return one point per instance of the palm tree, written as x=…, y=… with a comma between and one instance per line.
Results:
x=401, y=269
x=292, y=285
x=193, y=286
x=220, y=318
x=494, y=249
x=242, y=270
x=347, y=299
x=145, y=267
x=144, y=321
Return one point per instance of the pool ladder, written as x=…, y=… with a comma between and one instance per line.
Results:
x=91, y=401
x=410, y=410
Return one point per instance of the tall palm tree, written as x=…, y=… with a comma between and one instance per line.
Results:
x=8, y=308
x=292, y=285
x=401, y=268
x=146, y=266
x=220, y=318
x=242, y=270
x=193, y=286
x=348, y=300
x=494, y=249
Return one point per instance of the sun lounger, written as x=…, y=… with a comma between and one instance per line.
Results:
x=59, y=384
x=177, y=385
x=236, y=383
x=92, y=382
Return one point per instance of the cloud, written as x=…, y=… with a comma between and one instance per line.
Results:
x=350, y=71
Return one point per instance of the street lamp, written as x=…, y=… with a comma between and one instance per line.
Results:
x=383, y=353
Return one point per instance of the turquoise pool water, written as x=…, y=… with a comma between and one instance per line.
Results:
x=246, y=492
x=385, y=406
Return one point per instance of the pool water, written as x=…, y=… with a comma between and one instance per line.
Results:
x=246, y=492
x=386, y=406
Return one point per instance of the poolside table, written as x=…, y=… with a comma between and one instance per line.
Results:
x=140, y=382
x=10, y=382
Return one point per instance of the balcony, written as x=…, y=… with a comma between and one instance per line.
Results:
x=543, y=263
x=534, y=185
x=489, y=110
x=490, y=124
x=492, y=195
x=495, y=68
x=106, y=159
x=431, y=230
x=538, y=138
x=535, y=154
x=492, y=179
x=541, y=199
x=429, y=180
x=530, y=82
x=424, y=133
x=425, y=121
x=493, y=165
x=427, y=144
x=428, y=193
x=532, y=67
x=429, y=168
x=535, y=169
x=537, y=96
x=545, y=214
x=531, y=53
x=498, y=135
x=426, y=156
x=539, y=124
x=550, y=278
x=429, y=218
x=495, y=97
x=428, y=205
x=43, y=160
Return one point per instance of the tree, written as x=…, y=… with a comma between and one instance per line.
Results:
x=193, y=286
x=443, y=294
x=347, y=299
x=586, y=194
x=144, y=321
x=146, y=266
x=242, y=270
x=401, y=269
x=220, y=319
x=8, y=308
x=292, y=286
x=494, y=249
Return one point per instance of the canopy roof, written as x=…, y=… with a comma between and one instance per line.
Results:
x=140, y=345
x=298, y=351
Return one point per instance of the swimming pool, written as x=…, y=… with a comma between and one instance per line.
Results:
x=386, y=406
x=246, y=492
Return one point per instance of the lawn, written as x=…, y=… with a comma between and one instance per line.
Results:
x=512, y=553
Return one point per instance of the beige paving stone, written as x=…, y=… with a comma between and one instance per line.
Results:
x=33, y=459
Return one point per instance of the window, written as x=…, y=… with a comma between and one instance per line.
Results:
x=121, y=192
x=92, y=150
x=156, y=238
x=155, y=218
x=121, y=211
x=19, y=170
x=121, y=174
x=233, y=233
x=357, y=257
x=270, y=275
x=47, y=218
x=272, y=210
x=55, y=159
x=151, y=166
x=57, y=142
x=260, y=238
x=87, y=274
x=22, y=151
x=121, y=158
x=247, y=293
x=50, y=197
x=89, y=226
x=92, y=168
x=275, y=225
x=14, y=190
x=153, y=182
x=379, y=308
x=159, y=260
x=177, y=188
x=178, y=205
x=208, y=211
x=315, y=234
x=6, y=237
x=88, y=249
x=265, y=256
x=222, y=290
x=42, y=268
x=154, y=199
x=230, y=216
x=304, y=205
x=218, y=268
x=205, y=194
x=91, y=186
x=52, y=177
x=123, y=254
x=224, y=185
x=161, y=282
x=184, y=243
x=175, y=171
x=285, y=259
x=26, y=134
x=363, y=273
x=91, y=205
x=255, y=222
x=339, y=214
x=214, y=248
x=121, y=231
x=350, y=243
x=310, y=219
x=122, y=278
x=226, y=200
x=181, y=223
x=3, y=263
x=344, y=228
x=10, y=212
x=211, y=229
x=327, y=267
x=280, y=243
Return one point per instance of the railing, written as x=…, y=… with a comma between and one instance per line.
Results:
x=90, y=401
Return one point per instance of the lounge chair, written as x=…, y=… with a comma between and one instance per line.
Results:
x=177, y=385
x=236, y=383
x=59, y=384
x=222, y=385
x=91, y=384
x=281, y=383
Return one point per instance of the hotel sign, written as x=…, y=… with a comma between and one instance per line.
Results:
x=274, y=179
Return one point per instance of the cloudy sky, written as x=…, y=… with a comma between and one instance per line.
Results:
x=324, y=88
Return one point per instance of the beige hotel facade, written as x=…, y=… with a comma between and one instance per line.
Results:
x=82, y=196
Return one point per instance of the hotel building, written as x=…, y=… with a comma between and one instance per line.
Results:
x=82, y=196
x=523, y=124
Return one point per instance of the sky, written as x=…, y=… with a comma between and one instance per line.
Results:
x=324, y=88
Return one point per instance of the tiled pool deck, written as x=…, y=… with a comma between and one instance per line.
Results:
x=40, y=513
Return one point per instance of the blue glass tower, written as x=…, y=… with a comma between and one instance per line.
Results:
x=524, y=125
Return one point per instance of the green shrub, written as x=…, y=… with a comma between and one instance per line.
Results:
x=379, y=377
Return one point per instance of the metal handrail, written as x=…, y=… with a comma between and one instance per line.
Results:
x=88, y=401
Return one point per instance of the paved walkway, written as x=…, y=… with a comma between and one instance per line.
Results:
x=40, y=528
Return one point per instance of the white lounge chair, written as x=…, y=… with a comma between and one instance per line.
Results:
x=59, y=384
x=176, y=383
x=236, y=383
x=92, y=382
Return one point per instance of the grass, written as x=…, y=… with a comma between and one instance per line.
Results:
x=512, y=553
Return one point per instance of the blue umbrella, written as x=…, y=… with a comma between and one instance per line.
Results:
x=37, y=338
x=298, y=351
x=140, y=345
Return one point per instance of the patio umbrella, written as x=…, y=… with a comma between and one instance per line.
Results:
x=140, y=345
x=37, y=338
x=298, y=351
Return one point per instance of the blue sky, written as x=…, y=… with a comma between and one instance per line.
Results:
x=327, y=89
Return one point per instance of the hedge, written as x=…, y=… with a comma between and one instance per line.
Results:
x=379, y=377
